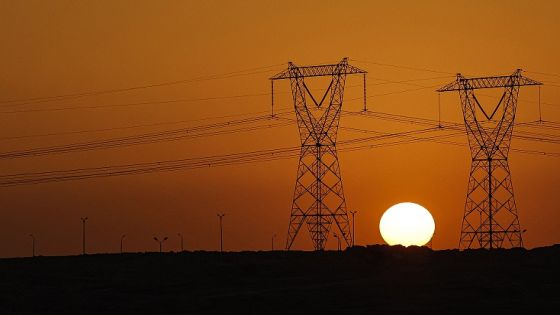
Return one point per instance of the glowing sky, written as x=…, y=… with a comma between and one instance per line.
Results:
x=61, y=47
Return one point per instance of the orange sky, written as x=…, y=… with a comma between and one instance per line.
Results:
x=61, y=47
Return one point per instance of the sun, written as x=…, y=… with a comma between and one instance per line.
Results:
x=407, y=224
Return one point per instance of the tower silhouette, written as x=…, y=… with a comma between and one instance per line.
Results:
x=490, y=217
x=318, y=198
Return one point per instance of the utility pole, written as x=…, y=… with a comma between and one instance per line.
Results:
x=273, y=237
x=353, y=212
x=33, y=245
x=318, y=198
x=181, y=236
x=160, y=243
x=122, y=238
x=490, y=216
x=84, y=235
x=221, y=216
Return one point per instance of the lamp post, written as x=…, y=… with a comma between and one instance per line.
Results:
x=84, y=235
x=273, y=237
x=160, y=242
x=338, y=241
x=33, y=245
x=181, y=236
x=221, y=216
x=353, y=229
x=122, y=238
x=432, y=240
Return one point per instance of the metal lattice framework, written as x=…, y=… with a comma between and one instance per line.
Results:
x=318, y=196
x=490, y=219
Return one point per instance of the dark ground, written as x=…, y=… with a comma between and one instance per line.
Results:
x=373, y=280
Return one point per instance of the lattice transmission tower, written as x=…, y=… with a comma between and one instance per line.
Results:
x=490, y=217
x=318, y=198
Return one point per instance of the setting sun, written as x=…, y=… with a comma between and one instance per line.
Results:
x=407, y=224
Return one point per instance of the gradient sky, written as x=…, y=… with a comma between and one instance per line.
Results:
x=61, y=47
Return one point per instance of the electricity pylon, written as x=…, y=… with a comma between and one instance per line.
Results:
x=490, y=217
x=318, y=196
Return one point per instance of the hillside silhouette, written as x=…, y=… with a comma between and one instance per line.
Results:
x=362, y=280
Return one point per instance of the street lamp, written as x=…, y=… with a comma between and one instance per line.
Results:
x=221, y=216
x=432, y=240
x=33, y=245
x=523, y=232
x=181, y=236
x=353, y=230
x=84, y=235
x=338, y=241
x=122, y=238
x=160, y=242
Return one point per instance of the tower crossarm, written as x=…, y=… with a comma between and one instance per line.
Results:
x=317, y=71
x=462, y=83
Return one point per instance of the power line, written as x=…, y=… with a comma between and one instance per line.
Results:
x=386, y=81
x=544, y=73
x=167, y=165
x=173, y=101
x=153, y=137
x=524, y=135
x=396, y=92
x=523, y=100
x=223, y=160
x=210, y=130
x=439, y=71
x=436, y=139
x=175, y=122
x=403, y=67
x=233, y=74
x=187, y=100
